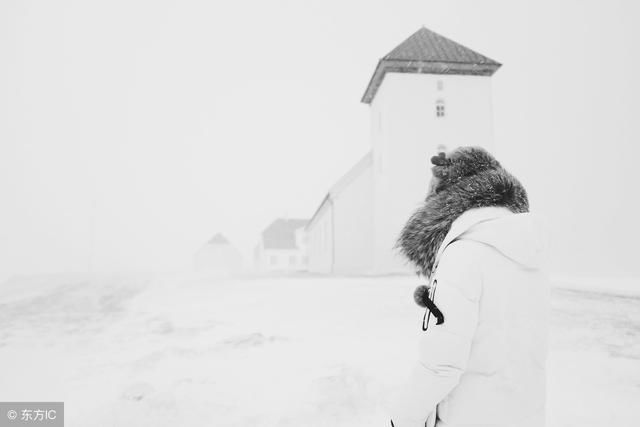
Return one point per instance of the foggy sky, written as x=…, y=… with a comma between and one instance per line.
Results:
x=133, y=131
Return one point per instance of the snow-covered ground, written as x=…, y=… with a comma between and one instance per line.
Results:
x=298, y=351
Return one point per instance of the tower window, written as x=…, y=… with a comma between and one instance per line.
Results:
x=439, y=108
x=440, y=85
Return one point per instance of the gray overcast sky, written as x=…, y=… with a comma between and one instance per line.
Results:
x=135, y=130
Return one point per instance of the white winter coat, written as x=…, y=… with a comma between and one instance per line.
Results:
x=485, y=365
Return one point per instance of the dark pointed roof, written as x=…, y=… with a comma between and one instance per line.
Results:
x=218, y=239
x=428, y=52
x=281, y=234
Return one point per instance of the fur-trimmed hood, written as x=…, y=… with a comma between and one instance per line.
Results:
x=468, y=178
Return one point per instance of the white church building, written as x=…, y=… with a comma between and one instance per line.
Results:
x=428, y=94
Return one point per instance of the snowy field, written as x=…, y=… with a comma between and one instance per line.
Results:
x=299, y=351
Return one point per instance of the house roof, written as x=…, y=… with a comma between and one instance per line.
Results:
x=281, y=233
x=218, y=239
x=427, y=52
x=346, y=179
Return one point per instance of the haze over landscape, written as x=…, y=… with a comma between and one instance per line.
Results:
x=132, y=132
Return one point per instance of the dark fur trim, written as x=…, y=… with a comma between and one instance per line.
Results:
x=420, y=295
x=469, y=178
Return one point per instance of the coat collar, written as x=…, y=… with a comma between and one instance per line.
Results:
x=466, y=221
x=469, y=179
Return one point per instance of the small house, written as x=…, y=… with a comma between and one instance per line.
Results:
x=282, y=247
x=218, y=257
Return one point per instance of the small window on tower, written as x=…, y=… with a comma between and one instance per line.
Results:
x=440, y=108
x=440, y=85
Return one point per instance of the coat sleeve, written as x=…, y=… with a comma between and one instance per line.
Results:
x=444, y=349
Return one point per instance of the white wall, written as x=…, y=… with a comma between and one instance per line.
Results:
x=353, y=220
x=405, y=133
x=302, y=241
x=281, y=261
x=320, y=232
x=285, y=260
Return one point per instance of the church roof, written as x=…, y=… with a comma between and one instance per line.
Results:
x=351, y=174
x=281, y=234
x=427, y=52
x=218, y=239
x=356, y=170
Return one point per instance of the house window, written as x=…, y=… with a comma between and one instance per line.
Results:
x=292, y=260
x=305, y=260
x=273, y=259
x=440, y=108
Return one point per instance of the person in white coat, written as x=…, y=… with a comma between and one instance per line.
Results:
x=484, y=333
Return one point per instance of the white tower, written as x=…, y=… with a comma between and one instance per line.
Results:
x=427, y=93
